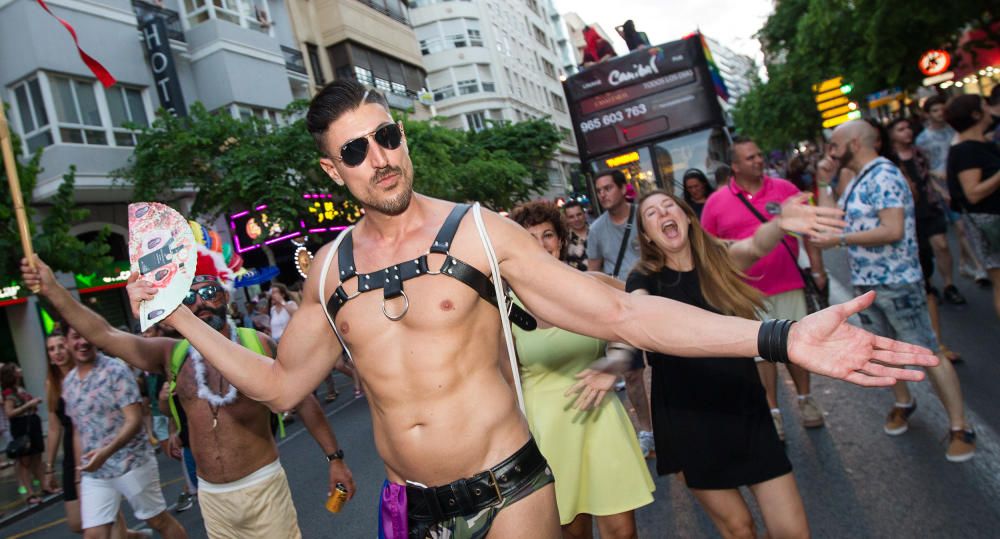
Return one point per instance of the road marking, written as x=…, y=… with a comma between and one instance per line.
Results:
x=37, y=529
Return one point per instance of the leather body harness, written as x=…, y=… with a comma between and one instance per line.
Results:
x=390, y=280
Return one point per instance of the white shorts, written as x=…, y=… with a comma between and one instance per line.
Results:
x=100, y=499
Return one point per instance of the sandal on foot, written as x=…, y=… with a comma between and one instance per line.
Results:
x=950, y=354
x=34, y=499
x=330, y=397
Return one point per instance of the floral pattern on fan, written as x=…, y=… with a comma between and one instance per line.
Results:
x=161, y=248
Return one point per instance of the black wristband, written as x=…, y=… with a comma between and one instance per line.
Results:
x=772, y=340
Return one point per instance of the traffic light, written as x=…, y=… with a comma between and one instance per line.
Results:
x=833, y=103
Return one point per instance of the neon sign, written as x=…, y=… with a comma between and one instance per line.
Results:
x=325, y=214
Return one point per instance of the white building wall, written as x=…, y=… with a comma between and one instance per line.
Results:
x=495, y=60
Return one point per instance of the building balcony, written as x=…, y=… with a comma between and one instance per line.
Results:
x=392, y=9
x=144, y=10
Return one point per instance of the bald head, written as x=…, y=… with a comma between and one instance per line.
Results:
x=859, y=130
x=853, y=144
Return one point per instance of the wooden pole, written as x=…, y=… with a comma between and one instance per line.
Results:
x=15, y=189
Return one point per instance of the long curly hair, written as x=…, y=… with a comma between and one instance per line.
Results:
x=722, y=283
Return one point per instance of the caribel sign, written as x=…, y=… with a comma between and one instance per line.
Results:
x=161, y=61
x=638, y=71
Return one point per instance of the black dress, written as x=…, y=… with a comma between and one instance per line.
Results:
x=25, y=424
x=710, y=416
x=69, y=458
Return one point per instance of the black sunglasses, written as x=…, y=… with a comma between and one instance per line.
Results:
x=207, y=293
x=354, y=152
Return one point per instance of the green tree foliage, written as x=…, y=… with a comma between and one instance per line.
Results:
x=229, y=164
x=873, y=44
x=50, y=236
x=237, y=164
x=499, y=166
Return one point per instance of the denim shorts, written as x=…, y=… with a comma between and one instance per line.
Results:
x=899, y=312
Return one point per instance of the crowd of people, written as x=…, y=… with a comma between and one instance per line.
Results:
x=705, y=291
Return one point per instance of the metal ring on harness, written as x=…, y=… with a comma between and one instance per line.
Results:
x=356, y=292
x=406, y=307
x=430, y=271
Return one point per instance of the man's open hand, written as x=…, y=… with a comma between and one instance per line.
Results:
x=824, y=343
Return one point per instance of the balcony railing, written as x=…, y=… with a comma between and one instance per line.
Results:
x=394, y=9
x=294, y=61
x=170, y=17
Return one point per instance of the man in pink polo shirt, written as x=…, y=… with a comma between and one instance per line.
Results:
x=776, y=275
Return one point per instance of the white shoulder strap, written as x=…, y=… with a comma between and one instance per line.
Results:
x=322, y=290
x=501, y=302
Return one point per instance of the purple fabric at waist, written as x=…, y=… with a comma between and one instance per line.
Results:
x=393, y=520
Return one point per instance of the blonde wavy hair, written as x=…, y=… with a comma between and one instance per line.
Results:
x=722, y=283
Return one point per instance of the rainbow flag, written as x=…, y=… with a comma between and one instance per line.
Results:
x=713, y=70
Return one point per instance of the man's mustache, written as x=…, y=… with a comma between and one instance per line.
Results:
x=381, y=173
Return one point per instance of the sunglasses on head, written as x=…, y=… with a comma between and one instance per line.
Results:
x=354, y=152
x=207, y=293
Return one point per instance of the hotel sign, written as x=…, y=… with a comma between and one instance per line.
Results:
x=161, y=61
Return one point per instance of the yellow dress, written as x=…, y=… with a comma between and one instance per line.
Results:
x=594, y=455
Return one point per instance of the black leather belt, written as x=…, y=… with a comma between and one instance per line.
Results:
x=471, y=495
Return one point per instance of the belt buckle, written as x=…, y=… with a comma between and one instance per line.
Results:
x=496, y=487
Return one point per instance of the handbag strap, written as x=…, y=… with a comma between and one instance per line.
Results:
x=856, y=182
x=621, y=248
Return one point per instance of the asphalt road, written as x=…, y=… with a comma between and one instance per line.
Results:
x=856, y=482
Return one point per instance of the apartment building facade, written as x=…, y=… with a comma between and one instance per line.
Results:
x=237, y=57
x=496, y=61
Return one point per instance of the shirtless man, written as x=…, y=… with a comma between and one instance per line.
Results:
x=428, y=355
x=231, y=438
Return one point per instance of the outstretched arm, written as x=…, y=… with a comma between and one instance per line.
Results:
x=823, y=343
x=796, y=217
x=307, y=352
x=148, y=354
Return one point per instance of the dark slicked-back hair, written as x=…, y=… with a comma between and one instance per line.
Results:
x=738, y=140
x=335, y=99
x=959, y=112
x=572, y=204
x=616, y=175
x=936, y=99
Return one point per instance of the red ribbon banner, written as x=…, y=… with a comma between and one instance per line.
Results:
x=102, y=74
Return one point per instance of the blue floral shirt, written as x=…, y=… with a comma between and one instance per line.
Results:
x=95, y=404
x=878, y=186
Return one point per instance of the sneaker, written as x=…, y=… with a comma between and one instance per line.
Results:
x=812, y=414
x=646, y=443
x=620, y=385
x=184, y=502
x=965, y=271
x=898, y=421
x=779, y=425
x=961, y=445
x=953, y=296
x=983, y=280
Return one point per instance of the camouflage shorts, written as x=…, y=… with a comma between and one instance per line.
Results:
x=478, y=526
